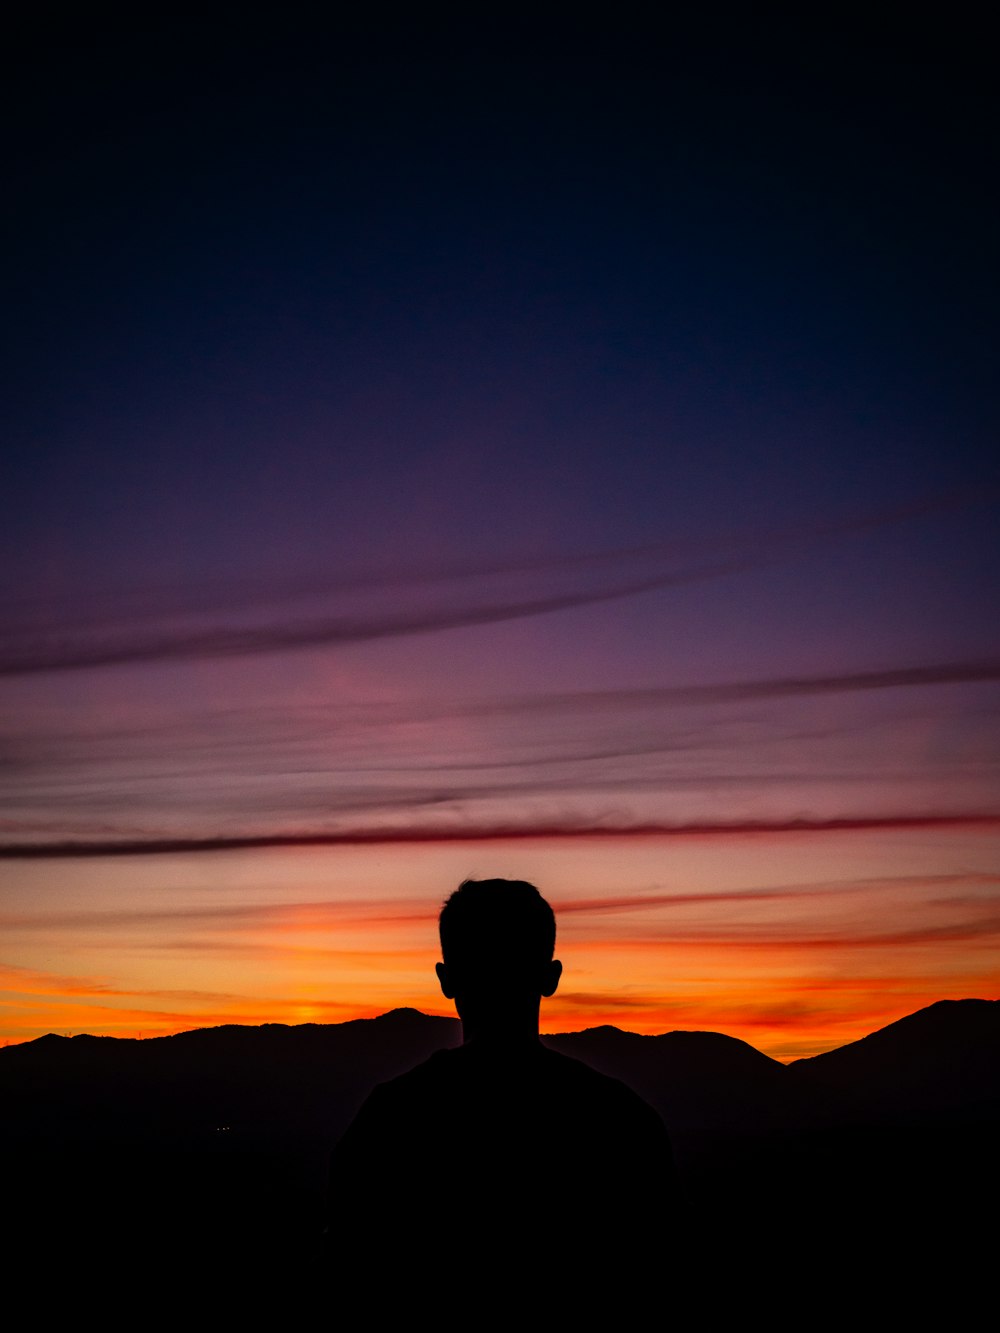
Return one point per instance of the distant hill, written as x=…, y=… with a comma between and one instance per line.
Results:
x=253, y=1084
x=698, y=1081
x=271, y=1084
x=221, y=1137
x=940, y=1062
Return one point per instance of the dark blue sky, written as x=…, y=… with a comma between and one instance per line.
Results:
x=298, y=296
x=305, y=301
x=422, y=426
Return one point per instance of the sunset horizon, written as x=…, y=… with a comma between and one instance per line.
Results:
x=457, y=445
x=793, y=966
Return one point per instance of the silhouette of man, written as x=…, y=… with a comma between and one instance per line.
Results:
x=500, y=1146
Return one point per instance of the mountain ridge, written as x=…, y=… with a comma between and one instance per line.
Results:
x=942, y=1060
x=223, y=1135
x=407, y=1013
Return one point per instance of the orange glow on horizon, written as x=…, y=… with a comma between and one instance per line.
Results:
x=794, y=946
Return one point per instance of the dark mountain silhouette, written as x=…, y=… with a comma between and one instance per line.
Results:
x=257, y=1085
x=217, y=1140
x=698, y=1081
x=942, y=1062
x=263, y=1085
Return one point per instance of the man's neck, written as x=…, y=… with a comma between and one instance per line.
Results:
x=507, y=1026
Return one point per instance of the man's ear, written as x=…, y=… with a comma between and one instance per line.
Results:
x=550, y=977
x=443, y=981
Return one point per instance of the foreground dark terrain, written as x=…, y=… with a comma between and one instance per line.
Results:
x=207, y=1151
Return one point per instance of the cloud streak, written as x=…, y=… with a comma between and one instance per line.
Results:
x=983, y=930
x=498, y=832
x=365, y=738
x=362, y=913
x=794, y=892
x=190, y=627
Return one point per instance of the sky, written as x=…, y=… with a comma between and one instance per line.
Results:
x=557, y=448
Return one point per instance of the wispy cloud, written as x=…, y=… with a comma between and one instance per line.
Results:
x=228, y=917
x=498, y=832
x=983, y=930
x=187, y=624
x=602, y=1000
x=199, y=741
x=231, y=920
x=803, y=892
x=796, y=935
x=444, y=770
x=29, y=981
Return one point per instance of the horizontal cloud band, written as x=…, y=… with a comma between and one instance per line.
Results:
x=156, y=628
x=153, y=846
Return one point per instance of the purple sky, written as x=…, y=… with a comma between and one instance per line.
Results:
x=454, y=423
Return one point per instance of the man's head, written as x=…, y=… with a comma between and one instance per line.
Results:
x=497, y=941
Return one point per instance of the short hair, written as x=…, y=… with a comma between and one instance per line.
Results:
x=504, y=921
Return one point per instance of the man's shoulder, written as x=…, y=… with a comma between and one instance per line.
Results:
x=427, y=1081
x=441, y=1065
x=596, y=1085
x=541, y=1074
x=568, y=1066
